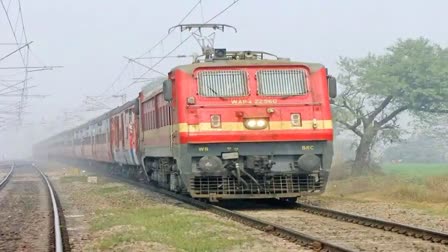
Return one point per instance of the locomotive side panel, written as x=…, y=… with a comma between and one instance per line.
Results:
x=157, y=127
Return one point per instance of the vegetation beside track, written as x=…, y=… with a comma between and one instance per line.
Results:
x=416, y=170
x=421, y=186
x=123, y=218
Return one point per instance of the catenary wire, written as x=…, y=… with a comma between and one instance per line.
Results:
x=181, y=43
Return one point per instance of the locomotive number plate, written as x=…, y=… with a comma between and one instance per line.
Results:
x=230, y=155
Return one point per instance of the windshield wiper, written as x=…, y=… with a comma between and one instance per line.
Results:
x=211, y=89
x=216, y=93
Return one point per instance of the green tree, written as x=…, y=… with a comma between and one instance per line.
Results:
x=411, y=76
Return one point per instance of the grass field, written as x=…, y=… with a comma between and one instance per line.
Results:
x=420, y=185
x=123, y=218
x=416, y=170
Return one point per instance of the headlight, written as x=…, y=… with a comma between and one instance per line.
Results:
x=261, y=123
x=255, y=123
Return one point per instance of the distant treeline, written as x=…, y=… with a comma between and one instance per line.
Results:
x=420, y=149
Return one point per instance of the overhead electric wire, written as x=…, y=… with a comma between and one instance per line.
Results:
x=12, y=29
x=14, y=91
x=25, y=59
x=221, y=12
x=168, y=34
x=181, y=43
x=21, y=19
x=12, y=86
x=25, y=88
x=18, y=49
x=145, y=66
x=150, y=50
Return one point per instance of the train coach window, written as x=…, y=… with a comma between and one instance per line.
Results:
x=282, y=82
x=223, y=83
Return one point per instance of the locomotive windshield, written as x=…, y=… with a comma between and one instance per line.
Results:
x=223, y=83
x=282, y=82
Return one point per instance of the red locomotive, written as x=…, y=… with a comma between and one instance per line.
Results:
x=235, y=125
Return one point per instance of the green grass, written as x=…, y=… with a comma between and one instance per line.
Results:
x=175, y=227
x=125, y=216
x=414, y=185
x=423, y=186
x=110, y=189
x=416, y=170
x=71, y=179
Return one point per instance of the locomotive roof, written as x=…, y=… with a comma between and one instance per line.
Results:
x=189, y=68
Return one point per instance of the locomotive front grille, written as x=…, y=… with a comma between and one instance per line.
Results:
x=281, y=184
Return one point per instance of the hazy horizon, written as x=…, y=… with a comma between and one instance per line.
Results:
x=90, y=38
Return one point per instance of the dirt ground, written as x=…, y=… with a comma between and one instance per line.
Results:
x=110, y=215
x=25, y=214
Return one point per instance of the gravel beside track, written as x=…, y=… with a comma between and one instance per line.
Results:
x=25, y=216
x=347, y=234
x=391, y=211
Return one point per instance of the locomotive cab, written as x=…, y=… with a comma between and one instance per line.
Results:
x=249, y=127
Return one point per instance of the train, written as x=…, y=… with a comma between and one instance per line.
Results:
x=235, y=125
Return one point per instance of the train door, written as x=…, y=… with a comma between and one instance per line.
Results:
x=109, y=140
x=133, y=133
x=130, y=136
x=121, y=132
x=94, y=141
x=112, y=140
x=127, y=147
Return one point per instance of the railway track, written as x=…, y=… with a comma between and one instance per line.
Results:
x=30, y=219
x=305, y=240
x=407, y=230
x=5, y=179
x=58, y=239
x=338, y=228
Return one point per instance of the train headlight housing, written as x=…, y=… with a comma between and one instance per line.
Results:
x=296, y=120
x=255, y=123
x=215, y=121
x=191, y=100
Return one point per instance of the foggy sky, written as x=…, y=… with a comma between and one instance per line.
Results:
x=90, y=38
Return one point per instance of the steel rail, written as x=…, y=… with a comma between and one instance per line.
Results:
x=421, y=233
x=57, y=226
x=268, y=227
x=6, y=178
